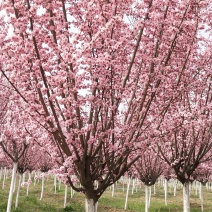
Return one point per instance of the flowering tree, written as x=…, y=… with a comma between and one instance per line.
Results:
x=203, y=175
x=149, y=167
x=14, y=144
x=185, y=139
x=96, y=74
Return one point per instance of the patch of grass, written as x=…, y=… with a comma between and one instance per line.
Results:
x=74, y=207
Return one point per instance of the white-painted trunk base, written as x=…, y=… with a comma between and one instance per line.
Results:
x=23, y=178
x=113, y=188
x=9, y=203
x=133, y=186
x=166, y=190
x=175, y=188
x=42, y=188
x=146, y=198
x=127, y=194
x=201, y=195
x=150, y=194
x=72, y=193
x=55, y=184
x=90, y=205
x=186, y=197
x=154, y=189
x=1, y=173
x=59, y=184
x=4, y=178
x=29, y=182
x=18, y=190
x=65, y=197
x=14, y=185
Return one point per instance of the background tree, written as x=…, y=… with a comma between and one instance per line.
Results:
x=203, y=175
x=14, y=143
x=149, y=168
x=185, y=140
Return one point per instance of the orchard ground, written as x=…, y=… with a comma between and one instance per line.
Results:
x=54, y=202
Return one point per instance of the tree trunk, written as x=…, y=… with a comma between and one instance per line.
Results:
x=7, y=173
x=18, y=191
x=127, y=194
x=186, y=197
x=123, y=183
x=166, y=190
x=42, y=188
x=59, y=184
x=146, y=198
x=201, y=195
x=4, y=177
x=136, y=187
x=196, y=188
x=91, y=205
x=14, y=184
x=175, y=187
x=72, y=193
x=23, y=178
x=29, y=182
x=154, y=189
x=113, y=188
x=9, y=203
x=55, y=184
x=65, y=197
x=150, y=194
x=0, y=173
x=133, y=186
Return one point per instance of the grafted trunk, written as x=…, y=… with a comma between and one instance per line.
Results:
x=186, y=197
x=91, y=205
